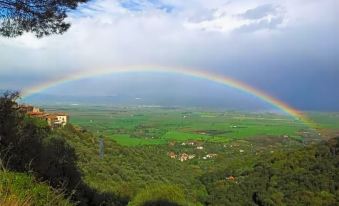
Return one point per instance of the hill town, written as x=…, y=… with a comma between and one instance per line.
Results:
x=54, y=120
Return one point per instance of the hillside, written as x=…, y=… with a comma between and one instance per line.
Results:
x=20, y=189
x=126, y=171
x=273, y=177
x=147, y=176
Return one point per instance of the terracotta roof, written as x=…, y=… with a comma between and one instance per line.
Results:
x=231, y=178
x=51, y=116
x=60, y=114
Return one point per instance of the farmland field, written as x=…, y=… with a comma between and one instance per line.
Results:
x=132, y=126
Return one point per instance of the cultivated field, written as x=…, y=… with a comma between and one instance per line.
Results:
x=132, y=126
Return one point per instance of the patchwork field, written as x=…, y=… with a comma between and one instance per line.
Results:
x=132, y=126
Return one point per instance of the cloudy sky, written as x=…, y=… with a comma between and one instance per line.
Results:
x=289, y=49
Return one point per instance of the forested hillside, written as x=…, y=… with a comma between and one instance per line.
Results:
x=243, y=173
x=306, y=176
x=297, y=176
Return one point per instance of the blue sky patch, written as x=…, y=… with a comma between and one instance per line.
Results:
x=134, y=5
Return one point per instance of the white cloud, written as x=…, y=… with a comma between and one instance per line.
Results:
x=235, y=15
x=196, y=33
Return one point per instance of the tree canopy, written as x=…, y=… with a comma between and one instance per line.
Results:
x=41, y=17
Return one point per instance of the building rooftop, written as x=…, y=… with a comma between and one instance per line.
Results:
x=60, y=114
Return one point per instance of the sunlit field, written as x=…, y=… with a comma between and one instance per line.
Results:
x=132, y=126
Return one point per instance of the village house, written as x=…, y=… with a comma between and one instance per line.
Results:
x=29, y=108
x=231, y=178
x=209, y=156
x=200, y=147
x=54, y=120
x=191, y=156
x=172, y=155
x=50, y=119
x=183, y=157
x=40, y=115
x=62, y=119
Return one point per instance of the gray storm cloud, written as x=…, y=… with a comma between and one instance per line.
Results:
x=260, y=11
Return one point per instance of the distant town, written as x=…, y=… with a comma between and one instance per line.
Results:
x=54, y=120
x=185, y=156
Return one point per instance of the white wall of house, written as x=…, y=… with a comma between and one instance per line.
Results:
x=62, y=119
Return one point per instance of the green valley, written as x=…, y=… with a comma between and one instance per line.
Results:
x=170, y=156
x=133, y=126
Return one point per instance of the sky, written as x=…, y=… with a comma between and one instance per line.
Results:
x=288, y=49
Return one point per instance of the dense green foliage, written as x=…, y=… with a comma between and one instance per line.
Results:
x=307, y=176
x=126, y=170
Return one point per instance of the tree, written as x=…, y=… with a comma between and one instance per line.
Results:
x=9, y=123
x=41, y=17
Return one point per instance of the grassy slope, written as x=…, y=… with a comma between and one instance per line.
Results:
x=19, y=189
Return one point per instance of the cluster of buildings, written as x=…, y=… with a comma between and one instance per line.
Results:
x=54, y=120
x=184, y=156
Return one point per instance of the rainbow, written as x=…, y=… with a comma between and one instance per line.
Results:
x=214, y=77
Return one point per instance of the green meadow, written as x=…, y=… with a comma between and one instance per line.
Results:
x=133, y=126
